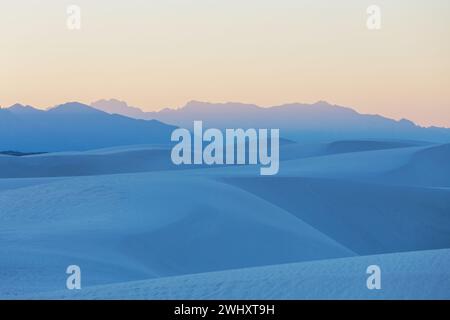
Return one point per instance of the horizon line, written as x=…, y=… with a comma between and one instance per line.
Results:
x=176, y=108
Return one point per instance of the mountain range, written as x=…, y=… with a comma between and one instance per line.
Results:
x=75, y=126
x=316, y=122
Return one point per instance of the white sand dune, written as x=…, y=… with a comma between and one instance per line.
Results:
x=136, y=226
x=428, y=167
x=88, y=209
x=412, y=275
x=87, y=163
x=367, y=218
x=144, y=158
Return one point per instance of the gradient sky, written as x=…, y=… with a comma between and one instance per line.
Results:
x=159, y=53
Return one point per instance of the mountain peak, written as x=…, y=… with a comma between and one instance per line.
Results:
x=226, y=106
x=111, y=100
x=21, y=109
x=74, y=108
x=328, y=107
x=407, y=122
x=322, y=103
x=111, y=104
x=196, y=104
x=16, y=106
x=115, y=106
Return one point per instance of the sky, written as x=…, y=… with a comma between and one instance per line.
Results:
x=164, y=53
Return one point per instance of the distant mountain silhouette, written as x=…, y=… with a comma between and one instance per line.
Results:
x=114, y=106
x=19, y=109
x=74, y=126
x=320, y=121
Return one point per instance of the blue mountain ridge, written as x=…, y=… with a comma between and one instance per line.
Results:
x=74, y=126
x=318, y=122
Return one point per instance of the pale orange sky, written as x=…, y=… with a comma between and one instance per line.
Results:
x=161, y=53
